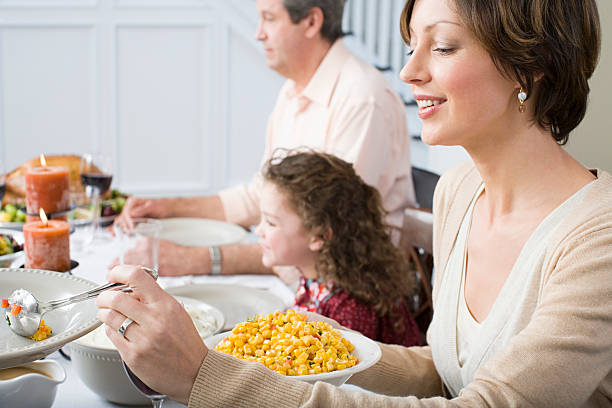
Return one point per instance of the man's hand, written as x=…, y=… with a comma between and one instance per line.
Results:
x=136, y=207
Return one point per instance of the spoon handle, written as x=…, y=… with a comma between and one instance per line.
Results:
x=80, y=297
x=92, y=293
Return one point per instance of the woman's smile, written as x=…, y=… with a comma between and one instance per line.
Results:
x=428, y=105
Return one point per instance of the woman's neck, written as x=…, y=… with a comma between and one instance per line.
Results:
x=526, y=172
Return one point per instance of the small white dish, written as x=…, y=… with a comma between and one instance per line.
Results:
x=33, y=390
x=366, y=350
x=208, y=319
x=201, y=232
x=67, y=323
x=237, y=303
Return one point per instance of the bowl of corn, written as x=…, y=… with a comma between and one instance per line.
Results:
x=288, y=344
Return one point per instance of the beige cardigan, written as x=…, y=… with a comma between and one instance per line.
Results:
x=563, y=357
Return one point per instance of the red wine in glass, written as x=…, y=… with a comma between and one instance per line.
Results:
x=100, y=181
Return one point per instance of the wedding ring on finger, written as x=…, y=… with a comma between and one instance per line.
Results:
x=150, y=271
x=124, y=326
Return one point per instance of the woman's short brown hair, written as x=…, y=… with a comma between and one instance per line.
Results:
x=557, y=39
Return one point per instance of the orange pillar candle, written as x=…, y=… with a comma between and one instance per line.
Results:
x=47, y=244
x=47, y=187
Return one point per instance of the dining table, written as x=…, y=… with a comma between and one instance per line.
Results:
x=94, y=265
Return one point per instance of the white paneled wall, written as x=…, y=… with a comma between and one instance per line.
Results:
x=176, y=90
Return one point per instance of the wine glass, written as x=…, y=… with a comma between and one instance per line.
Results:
x=96, y=176
x=157, y=399
x=2, y=181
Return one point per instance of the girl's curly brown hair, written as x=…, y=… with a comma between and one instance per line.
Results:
x=358, y=255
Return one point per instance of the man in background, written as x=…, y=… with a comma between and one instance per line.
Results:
x=331, y=102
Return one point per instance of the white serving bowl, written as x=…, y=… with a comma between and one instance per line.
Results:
x=99, y=365
x=33, y=390
x=8, y=260
x=101, y=371
x=366, y=351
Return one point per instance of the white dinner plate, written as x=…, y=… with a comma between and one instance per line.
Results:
x=237, y=303
x=67, y=323
x=366, y=350
x=201, y=232
x=17, y=226
x=77, y=222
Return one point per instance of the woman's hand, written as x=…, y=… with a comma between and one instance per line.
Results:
x=161, y=346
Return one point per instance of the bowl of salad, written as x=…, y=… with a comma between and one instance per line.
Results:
x=13, y=216
x=110, y=208
x=11, y=247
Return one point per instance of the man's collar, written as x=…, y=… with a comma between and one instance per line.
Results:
x=322, y=84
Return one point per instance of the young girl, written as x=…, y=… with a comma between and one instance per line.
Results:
x=319, y=216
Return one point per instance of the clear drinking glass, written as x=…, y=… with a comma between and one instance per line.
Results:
x=138, y=241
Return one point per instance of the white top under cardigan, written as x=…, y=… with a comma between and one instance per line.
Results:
x=510, y=313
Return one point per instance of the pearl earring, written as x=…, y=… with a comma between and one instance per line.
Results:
x=522, y=96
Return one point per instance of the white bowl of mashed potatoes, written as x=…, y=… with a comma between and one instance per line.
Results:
x=99, y=366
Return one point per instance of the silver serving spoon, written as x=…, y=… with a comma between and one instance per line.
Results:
x=28, y=320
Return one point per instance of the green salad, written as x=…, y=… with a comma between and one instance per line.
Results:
x=8, y=245
x=12, y=213
x=112, y=206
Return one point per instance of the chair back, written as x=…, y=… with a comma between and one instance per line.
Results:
x=416, y=242
x=424, y=185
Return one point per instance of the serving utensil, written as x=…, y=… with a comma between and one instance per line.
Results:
x=26, y=322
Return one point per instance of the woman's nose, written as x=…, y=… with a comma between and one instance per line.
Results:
x=416, y=70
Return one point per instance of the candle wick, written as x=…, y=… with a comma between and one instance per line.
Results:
x=43, y=217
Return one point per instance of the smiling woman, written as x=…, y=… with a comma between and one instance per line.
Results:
x=522, y=234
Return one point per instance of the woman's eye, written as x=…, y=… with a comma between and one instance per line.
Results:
x=444, y=51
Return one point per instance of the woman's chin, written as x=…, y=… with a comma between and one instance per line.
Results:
x=432, y=138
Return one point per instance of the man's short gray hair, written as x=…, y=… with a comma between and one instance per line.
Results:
x=332, y=15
